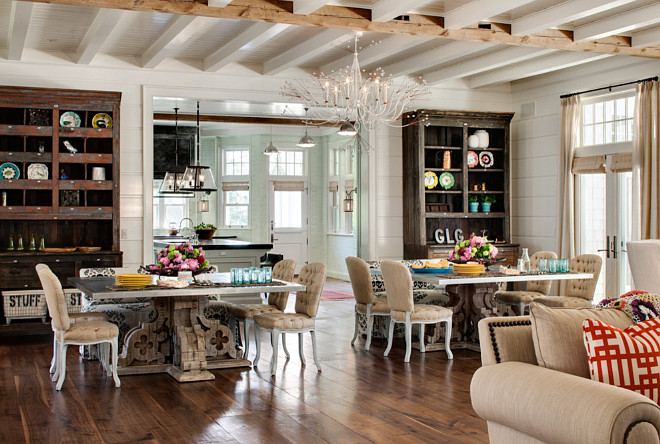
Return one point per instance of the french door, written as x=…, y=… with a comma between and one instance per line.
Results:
x=289, y=220
x=604, y=225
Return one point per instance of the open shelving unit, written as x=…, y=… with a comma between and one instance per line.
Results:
x=428, y=210
x=69, y=208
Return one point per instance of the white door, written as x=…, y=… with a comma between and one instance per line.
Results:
x=289, y=220
x=605, y=220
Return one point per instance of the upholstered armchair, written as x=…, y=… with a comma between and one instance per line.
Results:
x=534, y=385
x=644, y=260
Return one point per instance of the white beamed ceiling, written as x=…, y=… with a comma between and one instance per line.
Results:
x=60, y=28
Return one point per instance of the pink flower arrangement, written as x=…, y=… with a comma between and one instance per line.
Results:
x=475, y=249
x=180, y=257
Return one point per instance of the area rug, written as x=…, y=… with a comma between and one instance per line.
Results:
x=333, y=295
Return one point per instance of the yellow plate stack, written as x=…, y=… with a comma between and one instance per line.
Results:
x=469, y=269
x=134, y=280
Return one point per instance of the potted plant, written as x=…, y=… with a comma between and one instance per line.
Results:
x=205, y=231
x=486, y=202
x=473, y=202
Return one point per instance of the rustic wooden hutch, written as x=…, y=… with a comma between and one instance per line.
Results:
x=70, y=207
x=444, y=210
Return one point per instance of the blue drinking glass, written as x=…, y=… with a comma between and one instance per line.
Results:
x=552, y=265
x=269, y=274
x=543, y=265
x=246, y=275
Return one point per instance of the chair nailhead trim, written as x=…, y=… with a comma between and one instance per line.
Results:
x=492, y=326
x=630, y=429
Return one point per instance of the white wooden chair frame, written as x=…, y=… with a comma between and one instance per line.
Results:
x=408, y=333
x=370, y=324
x=274, y=339
x=59, y=357
x=247, y=323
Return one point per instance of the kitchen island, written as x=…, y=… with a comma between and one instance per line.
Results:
x=223, y=253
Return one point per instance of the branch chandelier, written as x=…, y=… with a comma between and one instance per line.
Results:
x=353, y=95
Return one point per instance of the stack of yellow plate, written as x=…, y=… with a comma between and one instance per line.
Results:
x=134, y=280
x=469, y=269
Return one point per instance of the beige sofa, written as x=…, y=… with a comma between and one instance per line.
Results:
x=534, y=384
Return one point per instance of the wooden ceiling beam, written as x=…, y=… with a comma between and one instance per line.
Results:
x=97, y=34
x=340, y=17
x=478, y=10
x=240, y=119
x=620, y=23
x=19, y=20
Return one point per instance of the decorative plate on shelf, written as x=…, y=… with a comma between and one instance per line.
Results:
x=472, y=159
x=430, y=180
x=446, y=180
x=70, y=119
x=37, y=171
x=486, y=159
x=102, y=120
x=9, y=171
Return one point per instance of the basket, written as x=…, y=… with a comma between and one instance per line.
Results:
x=24, y=305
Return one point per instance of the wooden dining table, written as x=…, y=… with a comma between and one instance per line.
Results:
x=180, y=340
x=472, y=298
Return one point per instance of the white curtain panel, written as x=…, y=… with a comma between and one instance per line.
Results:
x=646, y=161
x=571, y=116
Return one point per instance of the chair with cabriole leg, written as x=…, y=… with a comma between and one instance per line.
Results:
x=312, y=276
x=399, y=288
x=366, y=302
x=78, y=333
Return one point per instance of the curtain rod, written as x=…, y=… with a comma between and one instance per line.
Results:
x=607, y=87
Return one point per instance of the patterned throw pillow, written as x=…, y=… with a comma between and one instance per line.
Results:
x=627, y=358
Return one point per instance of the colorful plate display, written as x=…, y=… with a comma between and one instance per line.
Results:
x=9, y=171
x=446, y=180
x=102, y=120
x=486, y=159
x=70, y=119
x=430, y=180
x=37, y=171
x=472, y=159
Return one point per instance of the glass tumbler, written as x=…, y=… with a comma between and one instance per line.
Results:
x=254, y=275
x=552, y=265
x=543, y=265
x=564, y=265
x=232, y=274
x=261, y=276
x=246, y=275
x=269, y=274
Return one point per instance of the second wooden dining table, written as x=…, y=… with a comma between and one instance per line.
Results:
x=180, y=340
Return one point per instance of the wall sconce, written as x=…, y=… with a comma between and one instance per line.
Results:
x=204, y=203
x=349, y=203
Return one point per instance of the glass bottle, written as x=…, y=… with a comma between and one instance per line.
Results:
x=20, y=243
x=33, y=244
x=42, y=243
x=11, y=242
x=525, y=259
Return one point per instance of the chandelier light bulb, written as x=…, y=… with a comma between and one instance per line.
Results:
x=347, y=129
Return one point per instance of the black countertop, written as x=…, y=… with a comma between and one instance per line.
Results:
x=217, y=244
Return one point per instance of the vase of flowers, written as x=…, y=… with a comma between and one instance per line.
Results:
x=181, y=257
x=474, y=249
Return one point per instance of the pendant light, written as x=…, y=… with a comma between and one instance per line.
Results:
x=271, y=150
x=347, y=129
x=198, y=177
x=306, y=141
x=172, y=181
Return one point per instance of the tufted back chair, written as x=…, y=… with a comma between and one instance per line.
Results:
x=584, y=288
x=284, y=271
x=399, y=286
x=644, y=260
x=312, y=276
x=540, y=286
x=358, y=271
x=54, y=297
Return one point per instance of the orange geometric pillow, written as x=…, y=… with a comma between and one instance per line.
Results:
x=627, y=358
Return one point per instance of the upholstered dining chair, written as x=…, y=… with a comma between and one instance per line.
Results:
x=282, y=270
x=644, y=260
x=533, y=289
x=399, y=288
x=78, y=333
x=312, y=276
x=366, y=302
x=579, y=292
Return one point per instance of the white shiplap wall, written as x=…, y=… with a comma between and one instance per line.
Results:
x=535, y=142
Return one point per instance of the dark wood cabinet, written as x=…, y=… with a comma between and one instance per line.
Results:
x=59, y=156
x=436, y=213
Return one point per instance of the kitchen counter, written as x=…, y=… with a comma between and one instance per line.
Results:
x=223, y=253
x=183, y=238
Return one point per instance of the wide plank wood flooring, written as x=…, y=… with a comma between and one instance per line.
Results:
x=360, y=396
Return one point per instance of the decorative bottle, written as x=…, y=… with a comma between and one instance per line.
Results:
x=526, y=261
x=20, y=243
x=33, y=245
x=11, y=243
x=42, y=243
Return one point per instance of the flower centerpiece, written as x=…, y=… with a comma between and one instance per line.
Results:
x=179, y=257
x=475, y=249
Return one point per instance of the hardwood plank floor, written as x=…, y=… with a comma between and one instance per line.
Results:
x=359, y=397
